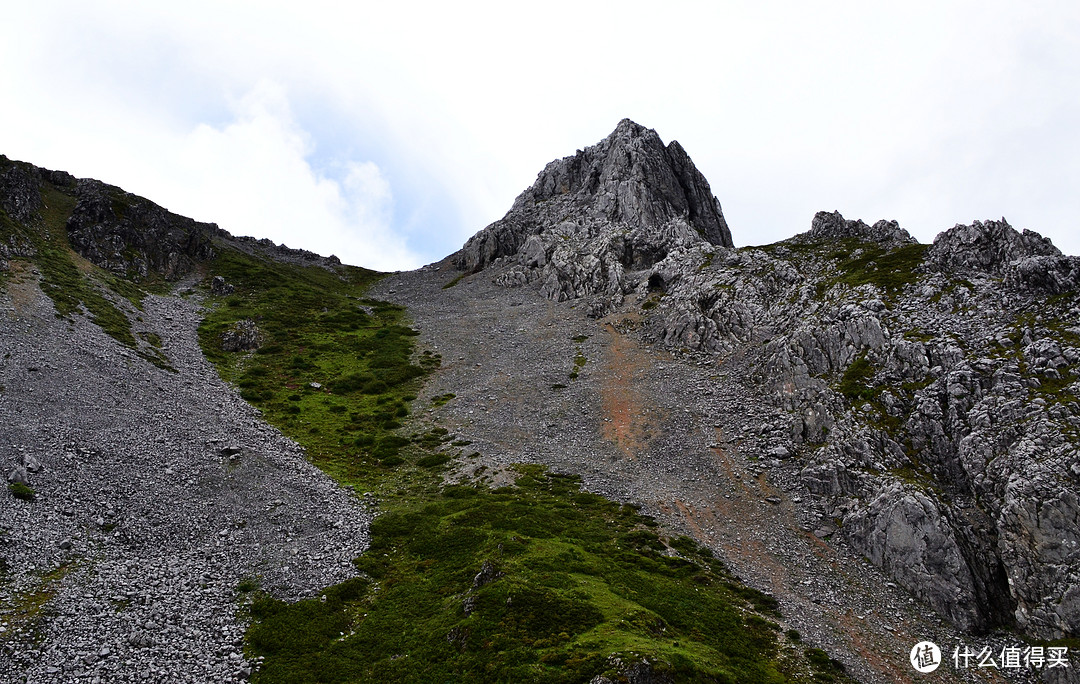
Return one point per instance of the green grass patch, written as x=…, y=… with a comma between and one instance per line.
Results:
x=21, y=491
x=579, y=362
x=890, y=270
x=455, y=281
x=536, y=582
x=62, y=281
x=247, y=585
x=857, y=382
x=27, y=612
x=336, y=371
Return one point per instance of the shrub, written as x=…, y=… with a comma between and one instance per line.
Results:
x=21, y=491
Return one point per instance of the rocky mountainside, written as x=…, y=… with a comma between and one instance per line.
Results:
x=929, y=391
x=845, y=441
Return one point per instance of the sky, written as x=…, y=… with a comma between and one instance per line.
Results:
x=388, y=135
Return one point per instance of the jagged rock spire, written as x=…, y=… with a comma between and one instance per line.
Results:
x=630, y=180
x=631, y=177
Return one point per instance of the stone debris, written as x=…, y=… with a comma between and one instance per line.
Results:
x=142, y=527
x=243, y=336
x=921, y=416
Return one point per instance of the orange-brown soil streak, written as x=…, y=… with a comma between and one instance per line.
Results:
x=626, y=412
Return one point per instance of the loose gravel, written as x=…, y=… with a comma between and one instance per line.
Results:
x=689, y=438
x=158, y=497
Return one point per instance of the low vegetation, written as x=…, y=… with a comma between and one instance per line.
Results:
x=73, y=284
x=857, y=382
x=537, y=581
x=888, y=269
x=21, y=491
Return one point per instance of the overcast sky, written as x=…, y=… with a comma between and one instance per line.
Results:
x=389, y=135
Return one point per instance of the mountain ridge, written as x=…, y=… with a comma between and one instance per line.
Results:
x=833, y=302
x=879, y=372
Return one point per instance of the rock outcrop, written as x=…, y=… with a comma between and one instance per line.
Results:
x=118, y=231
x=599, y=223
x=933, y=400
x=134, y=237
x=833, y=225
x=244, y=336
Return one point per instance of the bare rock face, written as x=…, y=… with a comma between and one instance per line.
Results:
x=989, y=247
x=19, y=195
x=596, y=224
x=905, y=534
x=134, y=237
x=932, y=401
x=833, y=225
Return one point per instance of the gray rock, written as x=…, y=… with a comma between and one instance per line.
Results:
x=18, y=475
x=619, y=207
x=833, y=226
x=779, y=452
x=132, y=236
x=244, y=336
x=988, y=247
x=904, y=533
x=488, y=574
x=30, y=462
x=218, y=286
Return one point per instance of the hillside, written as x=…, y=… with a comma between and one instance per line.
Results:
x=597, y=444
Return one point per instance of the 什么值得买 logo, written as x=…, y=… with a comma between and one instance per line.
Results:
x=925, y=656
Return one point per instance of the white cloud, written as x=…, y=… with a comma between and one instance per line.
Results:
x=927, y=112
x=252, y=176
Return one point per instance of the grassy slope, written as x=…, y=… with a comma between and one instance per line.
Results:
x=74, y=284
x=578, y=580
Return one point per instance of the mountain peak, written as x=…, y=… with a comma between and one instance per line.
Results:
x=628, y=200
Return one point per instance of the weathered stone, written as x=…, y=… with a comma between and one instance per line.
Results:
x=134, y=237
x=218, y=286
x=904, y=533
x=244, y=336
x=488, y=574
x=988, y=247
x=833, y=226
x=18, y=475
x=30, y=462
x=618, y=207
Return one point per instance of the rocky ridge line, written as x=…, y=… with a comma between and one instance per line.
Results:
x=122, y=232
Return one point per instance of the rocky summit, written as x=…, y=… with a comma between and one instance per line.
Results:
x=597, y=444
x=592, y=223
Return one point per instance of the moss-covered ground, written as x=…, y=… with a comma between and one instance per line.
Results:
x=534, y=582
